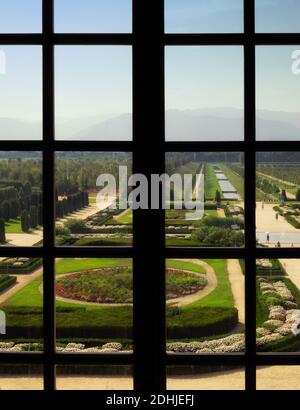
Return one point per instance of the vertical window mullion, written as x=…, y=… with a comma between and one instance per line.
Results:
x=148, y=225
x=48, y=197
x=250, y=200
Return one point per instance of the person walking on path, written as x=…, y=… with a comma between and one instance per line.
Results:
x=268, y=237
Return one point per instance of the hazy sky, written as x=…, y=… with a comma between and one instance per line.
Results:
x=277, y=88
x=181, y=16
x=21, y=86
x=93, y=16
x=93, y=80
x=202, y=16
x=277, y=16
x=204, y=76
x=20, y=16
x=97, y=80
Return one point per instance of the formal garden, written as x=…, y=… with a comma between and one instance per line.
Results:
x=94, y=306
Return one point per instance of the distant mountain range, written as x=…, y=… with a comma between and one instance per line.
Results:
x=211, y=124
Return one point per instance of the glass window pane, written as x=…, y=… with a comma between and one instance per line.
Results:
x=278, y=378
x=95, y=102
x=208, y=211
x=204, y=93
x=21, y=304
x=277, y=199
x=210, y=377
x=93, y=16
x=94, y=377
x=21, y=377
x=19, y=16
x=88, y=214
x=277, y=16
x=94, y=305
x=21, y=198
x=205, y=306
x=20, y=92
x=202, y=16
x=277, y=305
x=278, y=93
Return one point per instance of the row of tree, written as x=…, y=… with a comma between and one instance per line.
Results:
x=71, y=203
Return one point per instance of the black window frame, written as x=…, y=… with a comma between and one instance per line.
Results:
x=148, y=148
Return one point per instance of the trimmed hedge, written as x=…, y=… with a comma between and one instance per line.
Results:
x=26, y=268
x=6, y=281
x=77, y=323
x=276, y=270
x=201, y=322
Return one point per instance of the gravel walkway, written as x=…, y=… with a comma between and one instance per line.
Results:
x=237, y=281
x=211, y=285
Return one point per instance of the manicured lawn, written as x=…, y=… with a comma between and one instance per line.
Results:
x=13, y=226
x=214, y=314
x=211, y=182
x=75, y=265
x=126, y=218
x=222, y=295
x=184, y=265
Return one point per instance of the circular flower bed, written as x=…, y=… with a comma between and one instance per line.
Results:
x=114, y=285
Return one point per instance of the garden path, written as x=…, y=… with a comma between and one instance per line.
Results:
x=268, y=377
x=266, y=220
x=24, y=239
x=226, y=380
x=221, y=213
x=292, y=267
x=81, y=214
x=211, y=285
x=22, y=281
x=237, y=281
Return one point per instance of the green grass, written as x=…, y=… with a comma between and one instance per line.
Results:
x=184, y=265
x=211, y=182
x=13, y=226
x=236, y=180
x=125, y=219
x=92, y=200
x=214, y=314
x=173, y=241
x=222, y=295
x=75, y=265
x=281, y=185
x=103, y=242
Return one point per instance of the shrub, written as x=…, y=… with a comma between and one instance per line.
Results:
x=2, y=231
x=25, y=221
x=62, y=230
x=76, y=226
x=215, y=236
x=33, y=216
x=201, y=322
x=6, y=281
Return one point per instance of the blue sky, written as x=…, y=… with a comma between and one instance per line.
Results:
x=96, y=81
x=277, y=87
x=93, y=80
x=196, y=16
x=181, y=16
x=20, y=16
x=202, y=77
x=278, y=16
x=21, y=86
x=90, y=16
